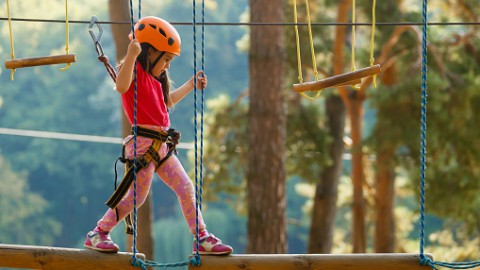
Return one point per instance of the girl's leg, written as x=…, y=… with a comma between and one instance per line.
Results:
x=125, y=206
x=173, y=174
x=99, y=238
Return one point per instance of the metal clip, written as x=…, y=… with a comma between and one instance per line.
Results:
x=96, y=39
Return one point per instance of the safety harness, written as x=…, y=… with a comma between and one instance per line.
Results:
x=170, y=137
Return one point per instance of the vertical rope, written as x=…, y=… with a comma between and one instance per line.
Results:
x=135, y=261
x=195, y=123
x=354, y=39
x=423, y=128
x=202, y=109
x=312, y=48
x=297, y=41
x=135, y=101
x=310, y=36
x=423, y=160
x=372, y=39
x=67, y=34
x=354, y=11
x=12, y=47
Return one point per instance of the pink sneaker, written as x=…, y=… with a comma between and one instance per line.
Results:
x=211, y=245
x=100, y=241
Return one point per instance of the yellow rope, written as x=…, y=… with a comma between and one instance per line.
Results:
x=353, y=35
x=299, y=55
x=354, y=41
x=372, y=41
x=297, y=38
x=312, y=50
x=12, y=47
x=66, y=36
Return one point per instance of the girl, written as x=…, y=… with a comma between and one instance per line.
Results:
x=156, y=44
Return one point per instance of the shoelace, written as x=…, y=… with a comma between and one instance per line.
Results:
x=105, y=236
x=212, y=239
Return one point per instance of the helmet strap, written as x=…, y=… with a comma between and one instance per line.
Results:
x=156, y=61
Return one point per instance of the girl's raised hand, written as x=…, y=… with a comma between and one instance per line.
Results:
x=134, y=48
x=201, y=80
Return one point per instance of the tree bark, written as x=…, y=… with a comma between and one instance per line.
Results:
x=267, y=132
x=358, y=211
x=353, y=102
x=325, y=201
x=119, y=11
x=384, y=200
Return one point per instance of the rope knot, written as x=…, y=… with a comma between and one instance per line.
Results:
x=103, y=59
x=195, y=261
x=425, y=261
x=138, y=262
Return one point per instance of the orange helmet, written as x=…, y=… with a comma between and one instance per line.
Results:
x=158, y=33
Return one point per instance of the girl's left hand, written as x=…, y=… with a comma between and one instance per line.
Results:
x=201, y=80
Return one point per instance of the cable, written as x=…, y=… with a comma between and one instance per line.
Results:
x=72, y=137
x=255, y=23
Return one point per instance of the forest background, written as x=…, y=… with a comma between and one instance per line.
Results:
x=53, y=191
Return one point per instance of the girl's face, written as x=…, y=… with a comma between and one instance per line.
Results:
x=162, y=65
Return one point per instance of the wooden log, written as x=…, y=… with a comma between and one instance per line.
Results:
x=40, y=61
x=337, y=80
x=374, y=261
x=55, y=258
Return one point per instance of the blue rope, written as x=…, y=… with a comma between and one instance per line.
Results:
x=423, y=151
x=136, y=261
x=147, y=263
x=423, y=129
x=202, y=108
x=135, y=214
x=195, y=123
x=198, y=202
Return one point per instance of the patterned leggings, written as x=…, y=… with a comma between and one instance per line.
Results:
x=171, y=172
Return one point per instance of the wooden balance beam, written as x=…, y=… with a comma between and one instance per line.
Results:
x=40, y=61
x=54, y=258
x=338, y=80
x=374, y=261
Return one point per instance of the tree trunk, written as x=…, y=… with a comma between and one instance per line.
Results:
x=384, y=202
x=325, y=201
x=119, y=11
x=358, y=211
x=353, y=102
x=267, y=131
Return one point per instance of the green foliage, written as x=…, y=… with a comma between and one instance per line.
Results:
x=307, y=139
x=226, y=146
x=452, y=144
x=24, y=213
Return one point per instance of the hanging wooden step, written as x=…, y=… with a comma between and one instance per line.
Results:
x=40, y=61
x=349, y=78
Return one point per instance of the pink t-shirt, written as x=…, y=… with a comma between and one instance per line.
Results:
x=151, y=108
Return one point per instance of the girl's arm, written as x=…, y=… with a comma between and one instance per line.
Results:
x=125, y=74
x=179, y=93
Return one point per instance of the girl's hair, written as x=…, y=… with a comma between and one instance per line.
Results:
x=163, y=78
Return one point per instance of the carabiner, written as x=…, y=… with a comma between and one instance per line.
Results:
x=96, y=39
